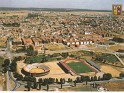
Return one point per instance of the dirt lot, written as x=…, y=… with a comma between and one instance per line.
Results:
x=109, y=69
x=114, y=86
x=115, y=47
x=56, y=71
x=21, y=13
x=111, y=48
x=55, y=46
x=79, y=88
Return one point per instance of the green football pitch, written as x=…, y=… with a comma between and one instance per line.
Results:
x=79, y=67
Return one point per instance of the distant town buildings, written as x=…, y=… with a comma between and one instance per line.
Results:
x=69, y=28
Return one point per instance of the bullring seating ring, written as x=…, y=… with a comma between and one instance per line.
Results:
x=36, y=69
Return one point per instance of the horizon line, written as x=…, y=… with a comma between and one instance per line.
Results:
x=58, y=8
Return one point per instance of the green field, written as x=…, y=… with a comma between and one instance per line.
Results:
x=79, y=67
x=109, y=57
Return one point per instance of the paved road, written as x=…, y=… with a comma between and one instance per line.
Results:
x=1, y=87
x=9, y=75
x=67, y=50
x=119, y=59
x=52, y=87
x=17, y=83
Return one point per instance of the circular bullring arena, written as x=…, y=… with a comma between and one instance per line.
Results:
x=36, y=70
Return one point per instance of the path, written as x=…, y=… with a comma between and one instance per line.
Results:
x=17, y=83
x=119, y=59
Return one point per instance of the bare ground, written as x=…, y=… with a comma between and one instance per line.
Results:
x=109, y=69
x=114, y=86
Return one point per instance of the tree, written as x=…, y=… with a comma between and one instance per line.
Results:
x=86, y=82
x=32, y=79
x=35, y=53
x=4, y=70
x=121, y=74
x=25, y=78
x=87, y=78
x=18, y=76
x=28, y=85
x=92, y=79
x=61, y=81
x=6, y=63
x=14, y=64
x=13, y=67
x=39, y=86
x=9, y=67
x=35, y=84
x=56, y=80
x=93, y=85
x=40, y=80
x=51, y=80
x=82, y=78
x=30, y=50
x=30, y=47
x=71, y=55
x=65, y=55
x=19, y=58
x=99, y=78
x=78, y=80
x=95, y=78
x=69, y=80
x=47, y=87
x=107, y=76
x=75, y=83
x=46, y=81
x=15, y=59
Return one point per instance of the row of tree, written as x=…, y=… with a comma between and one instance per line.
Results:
x=31, y=81
x=11, y=24
x=106, y=76
x=31, y=51
x=7, y=66
x=33, y=56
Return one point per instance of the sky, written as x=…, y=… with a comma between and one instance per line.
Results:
x=80, y=4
